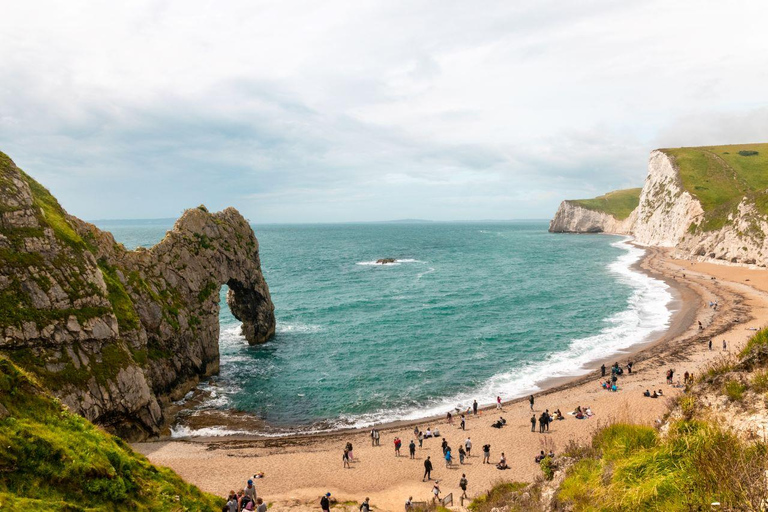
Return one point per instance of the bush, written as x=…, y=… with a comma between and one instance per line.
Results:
x=548, y=467
x=748, y=153
x=759, y=381
x=734, y=390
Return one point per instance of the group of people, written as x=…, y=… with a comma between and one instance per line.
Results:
x=655, y=394
x=544, y=420
x=245, y=499
x=541, y=456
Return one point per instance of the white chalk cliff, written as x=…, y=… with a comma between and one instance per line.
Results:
x=669, y=216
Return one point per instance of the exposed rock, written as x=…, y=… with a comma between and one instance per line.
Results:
x=668, y=215
x=119, y=334
x=385, y=261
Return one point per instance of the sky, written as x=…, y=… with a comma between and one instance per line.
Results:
x=305, y=111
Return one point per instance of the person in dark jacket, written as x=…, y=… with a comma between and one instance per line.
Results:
x=427, y=470
x=533, y=423
x=325, y=503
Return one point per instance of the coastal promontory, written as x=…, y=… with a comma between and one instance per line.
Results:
x=707, y=203
x=119, y=334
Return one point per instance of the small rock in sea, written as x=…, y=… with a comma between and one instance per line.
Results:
x=384, y=261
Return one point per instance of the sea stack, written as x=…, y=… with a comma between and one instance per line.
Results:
x=117, y=334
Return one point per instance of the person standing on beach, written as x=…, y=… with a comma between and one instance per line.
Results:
x=468, y=446
x=398, y=443
x=629, y=367
x=377, y=437
x=427, y=470
x=463, y=485
x=474, y=407
x=542, y=422
x=725, y=345
x=486, y=454
x=421, y=438
x=602, y=370
x=412, y=449
x=498, y=402
x=325, y=503
x=546, y=417
x=533, y=422
x=448, y=457
x=531, y=401
x=463, y=422
x=345, y=459
x=444, y=445
x=373, y=437
x=250, y=490
x=462, y=454
x=366, y=506
x=710, y=344
x=349, y=449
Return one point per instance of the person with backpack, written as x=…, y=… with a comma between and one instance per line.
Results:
x=427, y=470
x=463, y=486
x=325, y=503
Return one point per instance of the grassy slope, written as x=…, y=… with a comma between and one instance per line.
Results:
x=719, y=177
x=51, y=459
x=619, y=203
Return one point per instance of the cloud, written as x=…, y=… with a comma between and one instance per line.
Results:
x=305, y=111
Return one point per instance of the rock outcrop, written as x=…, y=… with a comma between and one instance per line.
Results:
x=116, y=334
x=574, y=218
x=670, y=216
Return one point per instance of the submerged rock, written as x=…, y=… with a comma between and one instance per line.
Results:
x=119, y=334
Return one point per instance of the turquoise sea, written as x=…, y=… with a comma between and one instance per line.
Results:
x=469, y=311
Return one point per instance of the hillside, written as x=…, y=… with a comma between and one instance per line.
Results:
x=52, y=459
x=619, y=204
x=708, y=203
x=721, y=177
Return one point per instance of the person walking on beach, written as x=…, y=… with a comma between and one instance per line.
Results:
x=448, y=457
x=444, y=445
x=474, y=407
x=533, y=422
x=463, y=423
x=435, y=492
x=498, y=402
x=486, y=454
x=725, y=345
x=421, y=438
x=468, y=446
x=345, y=458
x=427, y=470
x=366, y=506
x=325, y=503
x=398, y=443
x=531, y=401
x=412, y=449
x=463, y=485
x=409, y=504
x=349, y=449
x=462, y=454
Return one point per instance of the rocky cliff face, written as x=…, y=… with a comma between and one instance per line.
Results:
x=669, y=216
x=572, y=218
x=118, y=334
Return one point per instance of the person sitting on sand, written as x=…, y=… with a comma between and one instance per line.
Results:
x=647, y=393
x=428, y=433
x=614, y=388
x=661, y=392
x=436, y=432
x=654, y=395
x=497, y=424
x=588, y=411
x=502, y=462
x=551, y=454
x=539, y=457
x=559, y=415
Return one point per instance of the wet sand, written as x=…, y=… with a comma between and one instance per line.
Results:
x=299, y=469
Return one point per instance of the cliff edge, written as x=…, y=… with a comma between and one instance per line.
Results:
x=117, y=334
x=708, y=203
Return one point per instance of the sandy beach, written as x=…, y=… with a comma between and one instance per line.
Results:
x=299, y=469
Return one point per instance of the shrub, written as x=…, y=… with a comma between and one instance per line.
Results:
x=734, y=390
x=548, y=467
x=748, y=153
x=759, y=381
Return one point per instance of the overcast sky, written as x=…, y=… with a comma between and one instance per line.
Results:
x=312, y=111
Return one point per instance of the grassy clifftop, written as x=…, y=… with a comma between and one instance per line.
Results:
x=51, y=459
x=721, y=176
x=619, y=203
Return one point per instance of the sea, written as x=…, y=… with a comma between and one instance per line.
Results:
x=469, y=311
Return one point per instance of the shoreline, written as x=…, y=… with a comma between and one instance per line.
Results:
x=681, y=308
x=298, y=469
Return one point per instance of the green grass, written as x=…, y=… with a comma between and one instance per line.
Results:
x=619, y=203
x=51, y=459
x=496, y=497
x=696, y=464
x=720, y=176
x=758, y=341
